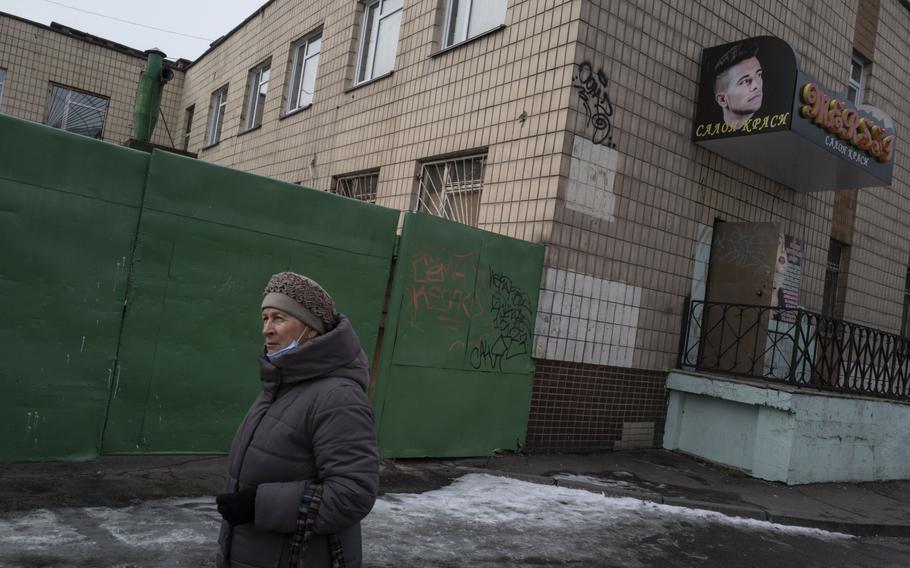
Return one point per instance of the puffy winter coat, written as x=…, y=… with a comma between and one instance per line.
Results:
x=311, y=422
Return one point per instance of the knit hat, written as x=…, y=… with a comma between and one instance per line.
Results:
x=303, y=298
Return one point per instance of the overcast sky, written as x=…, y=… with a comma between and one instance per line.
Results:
x=206, y=19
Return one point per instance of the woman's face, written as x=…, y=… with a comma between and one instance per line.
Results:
x=281, y=328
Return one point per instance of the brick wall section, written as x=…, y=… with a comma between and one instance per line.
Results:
x=844, y=215
x=35, y=55
x=867, y=13
x=577, y=407
x=467, y=98
x=881, y=239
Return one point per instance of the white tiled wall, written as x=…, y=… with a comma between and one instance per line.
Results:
x=592, y=173
x=584, y=319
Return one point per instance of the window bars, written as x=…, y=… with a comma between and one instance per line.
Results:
x=76, y=111
x=451, y=188
x=358, y=186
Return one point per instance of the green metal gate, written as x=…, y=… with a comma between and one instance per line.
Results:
x=456, y=371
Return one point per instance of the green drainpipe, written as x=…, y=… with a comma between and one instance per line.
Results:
x=148, y=95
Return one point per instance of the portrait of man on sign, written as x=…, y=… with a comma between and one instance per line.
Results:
x=738, y=83
x=745, y=88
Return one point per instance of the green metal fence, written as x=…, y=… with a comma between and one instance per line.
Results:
x=130, y=285
x=68, y=212
x=456, y=370
x=209, y=238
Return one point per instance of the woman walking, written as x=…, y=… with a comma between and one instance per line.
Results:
x=303, y=468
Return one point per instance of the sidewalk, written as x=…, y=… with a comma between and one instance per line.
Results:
x=881, y=508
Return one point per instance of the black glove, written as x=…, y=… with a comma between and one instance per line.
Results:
x=237, y=508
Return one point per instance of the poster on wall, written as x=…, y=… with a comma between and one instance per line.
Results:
x=745, y=87
x=787, y=276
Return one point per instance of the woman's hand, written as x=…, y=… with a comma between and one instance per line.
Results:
x=237, y=508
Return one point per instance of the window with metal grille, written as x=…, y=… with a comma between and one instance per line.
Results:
x=451, y=188
x=905, y=321
x=358, y=186
x=190, y=111
x=832, y=275
x=257, y=85
x=76, y=111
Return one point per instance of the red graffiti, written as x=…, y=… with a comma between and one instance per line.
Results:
x=446, y=287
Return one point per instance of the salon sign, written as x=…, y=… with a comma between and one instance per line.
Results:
x=855, y=136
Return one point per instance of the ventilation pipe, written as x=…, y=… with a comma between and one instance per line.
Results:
x=148, y=95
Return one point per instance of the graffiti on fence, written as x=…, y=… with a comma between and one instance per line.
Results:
x=592, y=90
x=512, y=319
x=443, y=286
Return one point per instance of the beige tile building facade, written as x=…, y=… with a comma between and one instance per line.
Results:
x=568, y=123
x=61, y=76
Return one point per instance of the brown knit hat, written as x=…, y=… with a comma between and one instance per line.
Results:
x=303, y=298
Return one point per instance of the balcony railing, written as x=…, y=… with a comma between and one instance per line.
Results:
x=795, y=346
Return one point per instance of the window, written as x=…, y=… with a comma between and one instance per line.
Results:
x=905, y=321
x=358, y=186
x=2, y=81
x=832, y=275
x=855, y=84
x=304, y=61
x=76, y=111
x=469, y=18
x=189, y=125
x=378, y=38
x=451, y=188
x=257, y=84
x=216, y=116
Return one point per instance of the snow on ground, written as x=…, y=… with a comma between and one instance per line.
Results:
x=505, y=521
x=163, y=523
x=36, y=529
x=492, y=500
x=479, y=520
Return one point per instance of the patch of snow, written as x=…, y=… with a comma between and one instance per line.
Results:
x=491, y=500
x=162, y=523
x=36, y=529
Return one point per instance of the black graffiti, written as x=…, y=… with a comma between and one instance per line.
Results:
x=592, y=90
x=511, y=311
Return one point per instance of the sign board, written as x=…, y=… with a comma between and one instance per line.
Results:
x=756, y=108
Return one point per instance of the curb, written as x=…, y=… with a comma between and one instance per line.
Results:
x=846, y=527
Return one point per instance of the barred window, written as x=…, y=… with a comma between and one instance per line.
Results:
x=76, y=111
x=451, y=188
x=358, y=186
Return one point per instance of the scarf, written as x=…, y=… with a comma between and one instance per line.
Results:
x=306, y=522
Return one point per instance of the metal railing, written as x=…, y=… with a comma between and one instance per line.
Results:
x=795, y=346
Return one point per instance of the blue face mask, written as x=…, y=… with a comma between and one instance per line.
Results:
x=280, y=352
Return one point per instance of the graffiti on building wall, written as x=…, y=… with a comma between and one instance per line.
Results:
x=512, y=314
x=592, y=90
